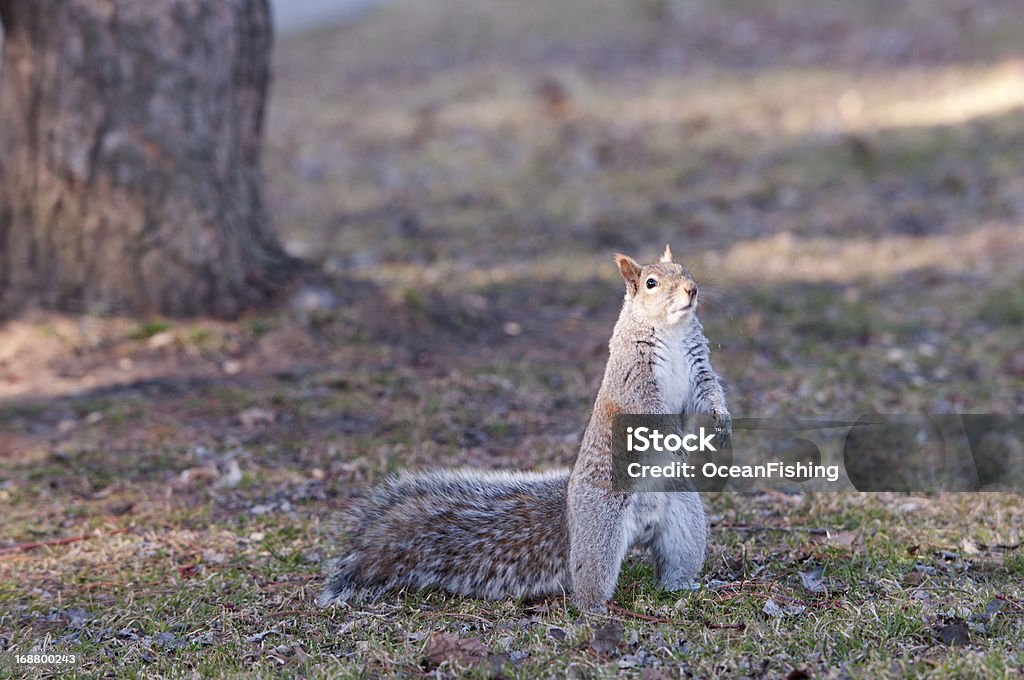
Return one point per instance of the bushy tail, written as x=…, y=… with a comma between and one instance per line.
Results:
x=480, y=534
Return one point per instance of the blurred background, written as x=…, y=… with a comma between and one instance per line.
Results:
x=843, y=180
x=847, y=179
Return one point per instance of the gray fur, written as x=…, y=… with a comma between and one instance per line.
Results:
x=494, y=535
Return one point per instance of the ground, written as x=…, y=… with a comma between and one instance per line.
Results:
x=843, y=180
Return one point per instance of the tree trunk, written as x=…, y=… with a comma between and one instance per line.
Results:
x=130, y=139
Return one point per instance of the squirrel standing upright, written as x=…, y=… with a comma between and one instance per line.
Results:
x=500, y=534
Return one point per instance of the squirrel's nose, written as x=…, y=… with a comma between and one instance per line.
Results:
x=690, y=289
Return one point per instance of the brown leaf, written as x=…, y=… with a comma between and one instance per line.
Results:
x=607, y=638
x=195, y=476
x=301, y=655
x=118, y=508
x=443, y=647
x=913, y=578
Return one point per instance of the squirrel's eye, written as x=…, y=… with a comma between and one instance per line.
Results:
x=651, y=283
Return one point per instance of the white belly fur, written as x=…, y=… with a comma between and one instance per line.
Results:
x=673, y=374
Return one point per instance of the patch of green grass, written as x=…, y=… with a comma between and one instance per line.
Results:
x=1003, y=307
x=148, y=329
x=261, y=325
x=11, y=411
x=415, y=301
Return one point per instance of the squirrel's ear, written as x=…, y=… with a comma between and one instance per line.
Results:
x=630, y=271
x=667, y=255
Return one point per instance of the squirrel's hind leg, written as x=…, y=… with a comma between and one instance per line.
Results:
x=597, y=546
x=680, y=542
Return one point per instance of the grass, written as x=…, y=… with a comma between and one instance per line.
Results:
x=853, y=214
x=243, y=606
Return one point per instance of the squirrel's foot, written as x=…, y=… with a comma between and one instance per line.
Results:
x=677, y=585
x=601, y=608
x=589, y=606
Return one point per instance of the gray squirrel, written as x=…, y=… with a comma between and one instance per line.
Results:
x=521, y=534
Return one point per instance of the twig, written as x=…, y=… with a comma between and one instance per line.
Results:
x=25, y=547
x=726, y=626
x=1000, y=547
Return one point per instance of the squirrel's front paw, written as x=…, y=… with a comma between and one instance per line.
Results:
x=723, y=429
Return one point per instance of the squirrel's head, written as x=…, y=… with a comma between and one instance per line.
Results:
x=662, y=295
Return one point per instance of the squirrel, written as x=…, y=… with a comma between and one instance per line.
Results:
x=525, y=534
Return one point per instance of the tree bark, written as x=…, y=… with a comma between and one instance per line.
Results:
x=130, y=137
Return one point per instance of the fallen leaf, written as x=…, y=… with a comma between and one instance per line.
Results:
x=991, y=609
x=258, y=637
x=301, y=655
x=774, y=610
x=955, y=634
x=76, y=617
x=450, y=647
x=813, y=580
x=198, y=475
x=168, y=640
x=118, y=508
x=607, y=638
x=557, y=633
x=913, y=578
